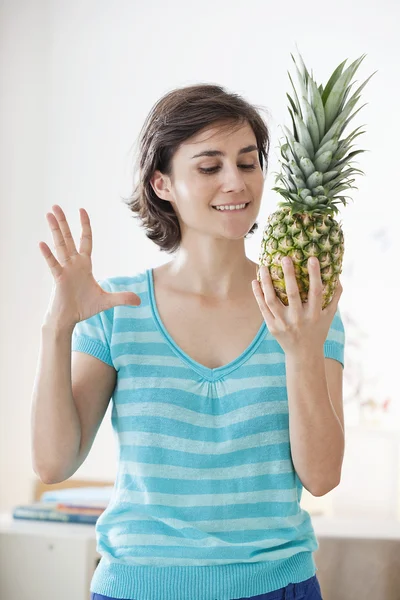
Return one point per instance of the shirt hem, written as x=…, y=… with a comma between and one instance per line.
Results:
x=237, y=580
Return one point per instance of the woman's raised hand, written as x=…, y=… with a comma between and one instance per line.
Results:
x=76, y=295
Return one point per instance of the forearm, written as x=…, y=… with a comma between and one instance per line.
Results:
x=55, y=425
x=316, y=435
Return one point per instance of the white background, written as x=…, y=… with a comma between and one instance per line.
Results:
x=78, y=78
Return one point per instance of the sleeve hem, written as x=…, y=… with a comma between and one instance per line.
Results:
x=96, y=349
x=333, y=350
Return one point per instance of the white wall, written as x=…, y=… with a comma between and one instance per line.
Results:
x=77, y=80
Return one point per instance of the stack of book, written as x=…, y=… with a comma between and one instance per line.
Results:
x=82, y=505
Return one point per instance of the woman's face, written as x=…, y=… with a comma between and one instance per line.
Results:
x=211, y=169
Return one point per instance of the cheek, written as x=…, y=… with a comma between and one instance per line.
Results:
x=192, y=185
x=182, y=188
x=194, y=191
x=258, y=187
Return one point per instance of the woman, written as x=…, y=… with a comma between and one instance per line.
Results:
x=194, y=355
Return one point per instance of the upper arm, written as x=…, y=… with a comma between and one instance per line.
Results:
x=93, y=383
x=334, y=364
x=334, y=377
x=92, y=373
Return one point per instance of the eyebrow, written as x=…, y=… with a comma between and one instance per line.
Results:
x=219, y=153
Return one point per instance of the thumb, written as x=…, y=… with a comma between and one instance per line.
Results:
x=333, y=304
x=124, y=298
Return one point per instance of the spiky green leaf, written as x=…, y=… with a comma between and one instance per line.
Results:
x=358, y=91
x=347, y=159
x=311, y=122
x=317, y=105
x=302, y=81
x=337, y=92
x=323, y=161
x=304, y=137
x=318, y=191
x=300, y=151
x=314, y=180
x=296, y=100
x=305, y=192
x=303, y=69
x=328, y=176
x=329, y=146
x=332, y=80
x=294, y=108
x=340, y=123
x=295, y=169
x=306, y=166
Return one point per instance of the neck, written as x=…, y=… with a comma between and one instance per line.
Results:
x=214, y=278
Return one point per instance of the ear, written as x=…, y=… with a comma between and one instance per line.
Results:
x=160, y=184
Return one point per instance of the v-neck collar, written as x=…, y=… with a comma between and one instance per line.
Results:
x=206, y=372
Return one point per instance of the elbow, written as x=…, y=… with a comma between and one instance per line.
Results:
x=319, y=491
x=44, y=477
x=41, y=473
x=54, y=472
x=48, y=477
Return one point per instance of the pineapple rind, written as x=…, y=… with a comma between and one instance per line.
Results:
x=300, y=236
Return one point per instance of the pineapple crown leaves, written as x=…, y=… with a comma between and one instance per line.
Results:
x=315, y=157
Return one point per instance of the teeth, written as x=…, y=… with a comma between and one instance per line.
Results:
x=231, y=207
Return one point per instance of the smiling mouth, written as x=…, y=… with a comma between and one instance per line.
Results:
x=233, y=210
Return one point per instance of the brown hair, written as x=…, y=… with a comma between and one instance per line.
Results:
x=176, y=117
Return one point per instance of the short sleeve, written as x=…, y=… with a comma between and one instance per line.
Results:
x=335, y=340
x=93, y=335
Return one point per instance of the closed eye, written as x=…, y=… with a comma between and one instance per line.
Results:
x=214, y=169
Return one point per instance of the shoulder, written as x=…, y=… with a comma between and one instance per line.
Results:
x=118, y=283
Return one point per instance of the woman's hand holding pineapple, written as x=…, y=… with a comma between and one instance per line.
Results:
x=300, y=328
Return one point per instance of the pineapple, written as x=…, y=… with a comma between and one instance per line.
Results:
x=315, y=172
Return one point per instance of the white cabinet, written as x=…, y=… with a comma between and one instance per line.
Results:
x=46, y=560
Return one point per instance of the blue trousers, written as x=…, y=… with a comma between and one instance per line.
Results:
x=305, y=590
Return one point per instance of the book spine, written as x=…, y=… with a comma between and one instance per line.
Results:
x=53, y=515
x=75, y=507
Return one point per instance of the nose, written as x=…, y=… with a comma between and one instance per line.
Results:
x=233, y=180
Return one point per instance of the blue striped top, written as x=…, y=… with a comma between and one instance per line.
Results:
x=205, y=503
